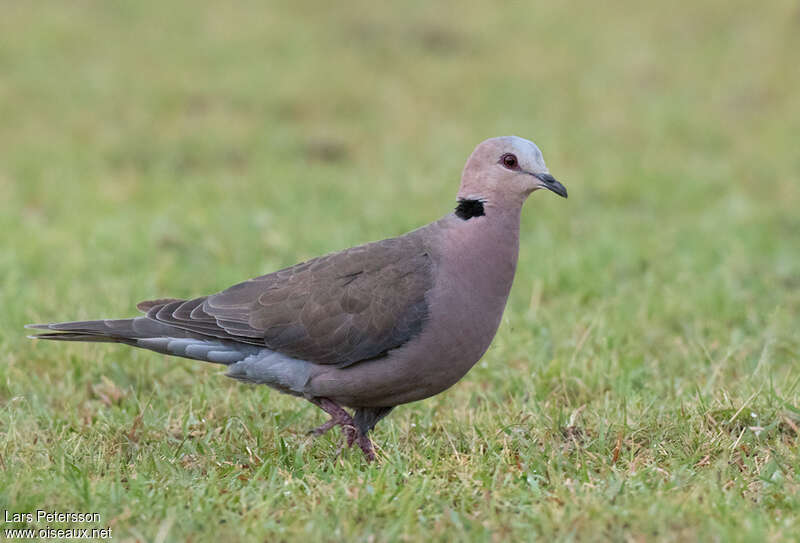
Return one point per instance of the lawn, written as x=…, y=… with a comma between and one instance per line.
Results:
x=645, y=382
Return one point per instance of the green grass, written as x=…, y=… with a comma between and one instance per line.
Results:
x=645, y=382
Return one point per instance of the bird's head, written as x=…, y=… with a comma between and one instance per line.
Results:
x=505, y=171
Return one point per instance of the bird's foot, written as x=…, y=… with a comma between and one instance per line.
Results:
x=366, y=446
x=340, y=417
x=319, y=430
x=348, y=429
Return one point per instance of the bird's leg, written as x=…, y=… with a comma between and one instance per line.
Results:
x=339, y=417
x=342, y=418
x=319, y=430
x=365, y=419
x=366, y=446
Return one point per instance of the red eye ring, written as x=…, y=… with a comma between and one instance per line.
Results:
x=509, y=161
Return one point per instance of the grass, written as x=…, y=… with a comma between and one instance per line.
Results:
x=645, y=383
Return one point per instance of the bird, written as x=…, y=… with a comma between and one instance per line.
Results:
x=367, y=328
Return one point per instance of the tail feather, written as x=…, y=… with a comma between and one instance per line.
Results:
x=246, y=361
x=112, y=330
x=77, y=336
x=148, y=334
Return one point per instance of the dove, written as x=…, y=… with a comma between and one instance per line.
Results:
x=367, y=328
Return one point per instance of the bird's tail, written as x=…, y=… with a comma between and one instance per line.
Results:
x=113, y=331
x=147, y=334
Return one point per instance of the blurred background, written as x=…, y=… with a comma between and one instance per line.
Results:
x=139, y=140
x=152, y=149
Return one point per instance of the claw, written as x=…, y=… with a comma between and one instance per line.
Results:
x=340, y=417
x=319, y=430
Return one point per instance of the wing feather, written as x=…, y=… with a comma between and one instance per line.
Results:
x=339, y=309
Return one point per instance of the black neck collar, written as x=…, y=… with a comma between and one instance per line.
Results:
x=467, y=209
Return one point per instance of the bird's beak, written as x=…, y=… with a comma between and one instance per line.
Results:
x=549, y=182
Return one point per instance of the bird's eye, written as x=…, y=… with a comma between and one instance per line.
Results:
x=509, y=161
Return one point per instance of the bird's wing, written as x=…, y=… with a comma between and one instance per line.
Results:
x=341, y=308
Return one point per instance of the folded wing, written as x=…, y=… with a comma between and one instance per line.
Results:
x=340, y=309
